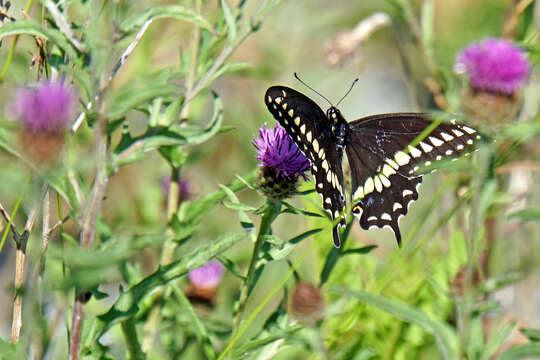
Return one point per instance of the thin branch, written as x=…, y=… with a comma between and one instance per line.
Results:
x=64, y=25
x=115, y=70
x=57, y=224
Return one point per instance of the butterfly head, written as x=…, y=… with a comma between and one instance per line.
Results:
x=334, y=115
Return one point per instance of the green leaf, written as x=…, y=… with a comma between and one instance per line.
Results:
x=277, y=249
x=526, y=214
x=229, y=19
x=195, y=323
x=127, y=303
x=446, y=338
x=231, y=266
x=334, y=255
x=196, y=135
x=294, y=210
x=259, y=343
x=528, y=351
x=230, y=68
x=140, y=90
x=29, y=27
x=494, y=343
x=199, y=208
x=172, y=11
x=11, y=351
x=532, y=334
x=132, y=149
x=235, y=204
x=362, y=250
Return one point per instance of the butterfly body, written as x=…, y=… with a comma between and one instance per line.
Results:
x=384, y=164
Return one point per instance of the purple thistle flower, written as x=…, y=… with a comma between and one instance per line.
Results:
x=276, y=150
x=494, y=65
x=46, y=108
x=207, y=276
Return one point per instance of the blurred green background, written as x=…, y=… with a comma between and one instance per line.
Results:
x=297, y=36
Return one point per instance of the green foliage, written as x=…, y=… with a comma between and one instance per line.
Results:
x=175, y=91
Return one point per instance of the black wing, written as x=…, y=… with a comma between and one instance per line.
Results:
x=385, y=163
x=310, y=129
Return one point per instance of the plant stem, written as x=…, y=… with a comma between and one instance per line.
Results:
x=21, y=242
x=130, y=334
x=167, y=254
x=88, y=233
x=271, y=211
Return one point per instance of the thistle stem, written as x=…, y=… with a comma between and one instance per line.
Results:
x=271, y=211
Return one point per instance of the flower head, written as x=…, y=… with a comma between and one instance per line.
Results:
x=494, y=65
x=44, y=111
x=207, y=276
x=276, y=150
x=307, y=302
x=48, y=107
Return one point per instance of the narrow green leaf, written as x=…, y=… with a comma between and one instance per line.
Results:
x=532, y=334
x=526, y=214
x=278, y=249
x=446, y=338
x=294, y=210
x=259, y=343
x=196, y=325
x=334, y=255
x=29, y=27
x=239, y=207
x=230, y=68
x=231, y=266
x=202, y=206
x=247, y=183
x=494, y=343
x=173, y=11
x=527, y=351
x=235, y=204
x=229, y=19
x=362, y=250
x=261, y=305
x=197, y=135
x=141, y=90
x=127, y=302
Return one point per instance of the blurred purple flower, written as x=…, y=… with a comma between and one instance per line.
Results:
x=48, y=107
x=207, y=276
x=276, y=150
x=494, y=65
x=184, y=188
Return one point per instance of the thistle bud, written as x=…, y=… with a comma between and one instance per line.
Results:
x=44, y=112
x=307, y=302
x=204, y=281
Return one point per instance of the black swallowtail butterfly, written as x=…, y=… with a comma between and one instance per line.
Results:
x=384, y=163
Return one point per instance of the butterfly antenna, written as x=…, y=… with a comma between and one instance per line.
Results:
x=312, y=89
x=347, y=93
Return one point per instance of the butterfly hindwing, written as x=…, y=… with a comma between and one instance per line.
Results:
x=310, y=129
x=384, y=164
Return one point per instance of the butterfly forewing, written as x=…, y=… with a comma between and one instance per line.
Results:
x=386, y=155
x=310, y=129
